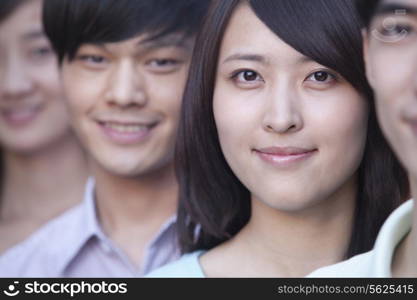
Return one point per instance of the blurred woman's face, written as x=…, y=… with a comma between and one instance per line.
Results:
x=293, y=131
x=32, y=112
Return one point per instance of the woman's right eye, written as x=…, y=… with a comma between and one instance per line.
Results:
x=247, y=78
x=41, y=52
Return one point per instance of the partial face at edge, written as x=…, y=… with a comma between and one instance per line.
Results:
x=293, y=131
x=32, y=111
x=391, y=59
x=124, y=99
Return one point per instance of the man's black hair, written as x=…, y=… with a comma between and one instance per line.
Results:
x=72, y=23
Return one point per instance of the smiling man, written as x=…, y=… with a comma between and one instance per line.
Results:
x=391, y=60
x=124, y=65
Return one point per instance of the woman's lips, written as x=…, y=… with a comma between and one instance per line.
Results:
x=284, y=156
x=413, y=125
x=20, y=117
x=409, y=116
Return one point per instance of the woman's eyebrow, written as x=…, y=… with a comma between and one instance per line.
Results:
x=33, y=35
x=261, y=59
x=246, y=57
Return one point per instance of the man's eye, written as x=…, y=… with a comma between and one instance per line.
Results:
x=95, y=59
x=163, y=65
x=163, y=62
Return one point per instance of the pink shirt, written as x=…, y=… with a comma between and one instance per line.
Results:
x=74, y=245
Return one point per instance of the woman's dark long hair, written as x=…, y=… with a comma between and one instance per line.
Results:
x=7, y=7
x=212, y=201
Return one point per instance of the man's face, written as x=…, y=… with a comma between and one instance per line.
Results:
x=391, y=58
x=124, y=101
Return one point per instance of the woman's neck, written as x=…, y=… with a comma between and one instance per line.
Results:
x=278, y=243
x=40, y=185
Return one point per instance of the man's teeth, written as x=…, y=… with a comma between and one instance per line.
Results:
x=126, y=128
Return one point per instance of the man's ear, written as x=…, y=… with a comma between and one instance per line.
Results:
x=368, y=67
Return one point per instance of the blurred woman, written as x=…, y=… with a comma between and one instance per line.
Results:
x=43, y=170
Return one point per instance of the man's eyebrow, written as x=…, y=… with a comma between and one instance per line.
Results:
x=395, y=9
x=167, y=41
x=100, y=45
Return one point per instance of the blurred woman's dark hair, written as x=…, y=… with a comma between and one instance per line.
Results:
x=7, y=7
x=213, y=202
x=71, y=23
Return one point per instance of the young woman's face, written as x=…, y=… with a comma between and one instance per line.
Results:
x=32, y=113
x=292, y=130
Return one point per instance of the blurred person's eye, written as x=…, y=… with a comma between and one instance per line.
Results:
x=40, y=53
x=394, y=29
x=398, y=30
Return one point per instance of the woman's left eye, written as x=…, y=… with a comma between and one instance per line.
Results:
x=322, y=77
x=41, y=51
